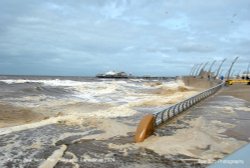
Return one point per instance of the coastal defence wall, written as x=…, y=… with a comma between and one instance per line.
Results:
x=149, y=122
x=201, y=83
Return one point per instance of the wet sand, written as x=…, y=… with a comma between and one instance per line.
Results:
x=12, y=116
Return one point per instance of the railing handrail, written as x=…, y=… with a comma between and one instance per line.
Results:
x=189, y=98
x=189, y=101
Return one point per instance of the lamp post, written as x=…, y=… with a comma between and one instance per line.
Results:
x=229, y=71
x=198, y=69
x=232, y=74
x=248, y=69
x=238, y=74
x=192, y=70
x=203, y=67
x=211, y=66
x=219, y=68
x=221, y=72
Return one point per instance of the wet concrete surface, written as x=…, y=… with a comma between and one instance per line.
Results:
x=211, y=110
x=90, y=153
x=29, y=148
x=224, y=109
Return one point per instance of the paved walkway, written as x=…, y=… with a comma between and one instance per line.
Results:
x=214, y=128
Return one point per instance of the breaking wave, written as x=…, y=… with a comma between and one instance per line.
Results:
x=93, y=98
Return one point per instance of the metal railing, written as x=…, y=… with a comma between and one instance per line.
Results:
x=168, y=113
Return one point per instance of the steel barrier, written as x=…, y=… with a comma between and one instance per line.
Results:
x=149, y=122
x=162, y=116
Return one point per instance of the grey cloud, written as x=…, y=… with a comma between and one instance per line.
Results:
x=93, y=35
x=159, y=49
x=194, y=47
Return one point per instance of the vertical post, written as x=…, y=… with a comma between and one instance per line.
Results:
x=198, y=70
x=248, y=69
x=221, y=72
x=195, y=68
x=229, y=71
x=203, y=67
x=218, y=70
x=238, y=74
x=211, y=66
x=192, y=69
x=232, y=74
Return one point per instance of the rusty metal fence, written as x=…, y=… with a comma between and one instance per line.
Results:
x=168, y=113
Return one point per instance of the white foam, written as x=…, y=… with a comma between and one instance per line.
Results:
x=202, y=140
x=116, y=93
x=54, y=158
x=75, y=117
x=110, y=127
x=243, y=109
x=28, y=126
x=54, y=82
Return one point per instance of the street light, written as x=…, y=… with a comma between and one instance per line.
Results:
x=219, y=68
x=192, y=70
x=211, y=66
x=198, y=69
x=229, y=71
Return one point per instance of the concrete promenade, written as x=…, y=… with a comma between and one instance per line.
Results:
x=212, y=129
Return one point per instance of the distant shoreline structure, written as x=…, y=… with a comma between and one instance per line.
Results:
x=113, y=74
x=7, y=76
x=124, y=75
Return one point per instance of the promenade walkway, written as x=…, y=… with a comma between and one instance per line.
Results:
x=212, y=129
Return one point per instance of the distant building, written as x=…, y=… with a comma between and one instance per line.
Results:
x=245, y=75
x=113, y=74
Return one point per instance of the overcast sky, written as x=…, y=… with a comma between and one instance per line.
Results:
x=142, y=37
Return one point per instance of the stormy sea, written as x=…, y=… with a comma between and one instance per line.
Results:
x=39, y=98
x=90, y=122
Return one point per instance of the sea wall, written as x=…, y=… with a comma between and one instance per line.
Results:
x=201, y=83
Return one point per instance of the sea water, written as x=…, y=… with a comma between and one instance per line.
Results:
x=79, y=108
x=79, y=95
